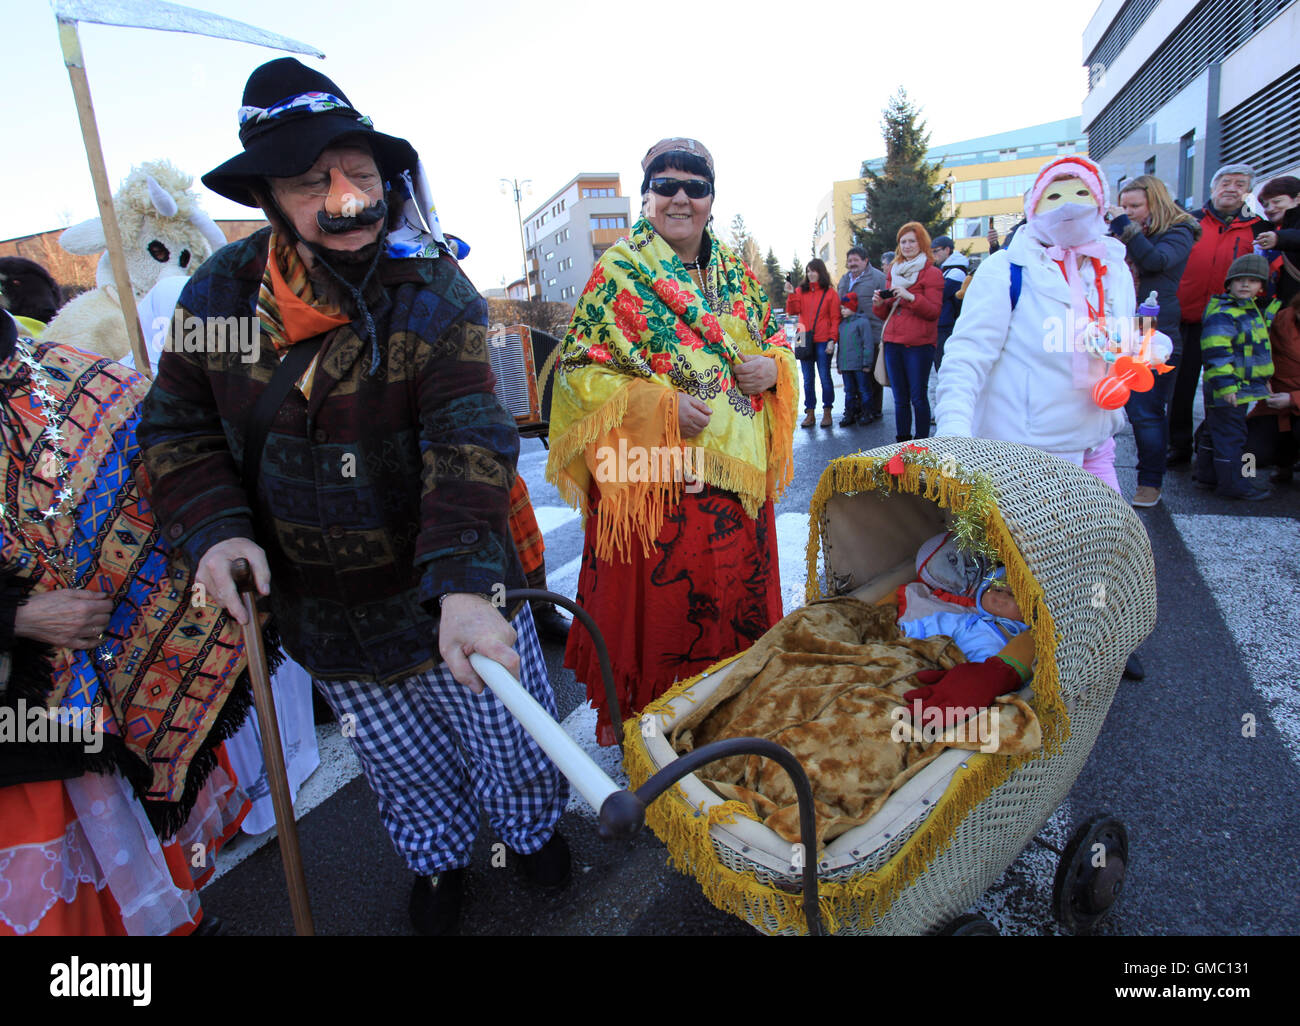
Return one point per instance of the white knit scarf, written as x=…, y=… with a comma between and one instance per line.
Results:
x=905, y=272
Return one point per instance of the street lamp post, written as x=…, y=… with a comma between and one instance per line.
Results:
x=519, y=187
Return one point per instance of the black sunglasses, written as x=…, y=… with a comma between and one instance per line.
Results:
x=695, y=188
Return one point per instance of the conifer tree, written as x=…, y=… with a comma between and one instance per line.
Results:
x=909, y=188
x=774, y=279
x=796, y=271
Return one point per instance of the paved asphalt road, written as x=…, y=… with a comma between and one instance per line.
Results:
x=1214, y=829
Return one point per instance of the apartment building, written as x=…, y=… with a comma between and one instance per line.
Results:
x=565, y=235
x=986, y=178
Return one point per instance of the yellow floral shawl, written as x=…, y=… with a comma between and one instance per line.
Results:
x=642, y=332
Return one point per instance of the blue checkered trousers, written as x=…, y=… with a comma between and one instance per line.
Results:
x=435, y=754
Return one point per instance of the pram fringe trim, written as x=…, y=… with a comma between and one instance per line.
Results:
x=866, y=897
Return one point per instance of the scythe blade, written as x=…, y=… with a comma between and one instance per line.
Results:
x=166, y=17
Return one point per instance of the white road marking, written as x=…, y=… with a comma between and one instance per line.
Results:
x=551, y=517
x=338, y=767
x=1248, y=564
x=563, y=580
x=792, y=548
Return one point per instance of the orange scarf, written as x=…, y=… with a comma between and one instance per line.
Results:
x=288, y=308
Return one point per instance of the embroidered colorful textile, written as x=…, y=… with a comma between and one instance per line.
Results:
x=287, y=307
x=315, y=102
x=643, y=320
x=524, y=528
x=165, y=674
x=710, y=589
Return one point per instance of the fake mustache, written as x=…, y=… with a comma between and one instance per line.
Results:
x=339, y=225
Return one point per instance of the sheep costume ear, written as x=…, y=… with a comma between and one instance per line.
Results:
x=87, y=237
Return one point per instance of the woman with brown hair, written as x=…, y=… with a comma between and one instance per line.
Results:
x=910, y=308
x=1158, y=236
x=817, y=306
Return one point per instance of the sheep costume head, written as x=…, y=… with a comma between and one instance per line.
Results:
x=163, y=230
x=164, y=233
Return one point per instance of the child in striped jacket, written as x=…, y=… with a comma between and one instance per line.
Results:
x=1238, y=363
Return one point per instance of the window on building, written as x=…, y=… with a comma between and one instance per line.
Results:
x=971, y=227
x=968, y=192
x=1186, y=169
x=1009, y=186
x=598, y=223
x=1149, y=166
x=550, y=255
x=825, y=253
x=1011, y=154
x=597, y=193
x=823, y=224
x=559, y=237
x=550, y=281
x=858, y=203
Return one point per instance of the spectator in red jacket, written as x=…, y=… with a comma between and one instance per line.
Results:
x=817, y=305
x=1227, y=232
x=910, y=308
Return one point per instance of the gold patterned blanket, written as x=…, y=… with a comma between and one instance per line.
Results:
x=827, y=683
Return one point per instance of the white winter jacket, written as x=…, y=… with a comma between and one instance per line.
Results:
x=1010, y=375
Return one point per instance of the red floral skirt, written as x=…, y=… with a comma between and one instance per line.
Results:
x=710, y=589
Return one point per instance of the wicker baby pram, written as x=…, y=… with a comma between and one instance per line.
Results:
x=1079, y=563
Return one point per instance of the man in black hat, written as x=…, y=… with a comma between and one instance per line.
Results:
x=363, y=465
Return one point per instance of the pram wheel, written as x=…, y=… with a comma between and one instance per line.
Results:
x=1090, y=877
x=970, y=925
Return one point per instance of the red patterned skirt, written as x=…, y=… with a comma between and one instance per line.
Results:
x=710, y=589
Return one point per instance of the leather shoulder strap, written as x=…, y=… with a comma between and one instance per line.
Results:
x=268, y=403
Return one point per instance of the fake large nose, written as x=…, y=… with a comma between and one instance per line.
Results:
x=345, y=199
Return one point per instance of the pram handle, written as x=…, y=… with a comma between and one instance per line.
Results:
x=622, y=813
x=602, y=652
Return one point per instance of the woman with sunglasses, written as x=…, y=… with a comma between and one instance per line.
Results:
x=671, y=429
x=818, y=308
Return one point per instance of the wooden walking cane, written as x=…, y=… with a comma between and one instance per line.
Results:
x=286, y=827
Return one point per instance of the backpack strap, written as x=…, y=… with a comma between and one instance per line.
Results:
x=1017, y=279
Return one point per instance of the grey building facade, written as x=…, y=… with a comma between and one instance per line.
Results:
x=566, y=235
x=1178, y=88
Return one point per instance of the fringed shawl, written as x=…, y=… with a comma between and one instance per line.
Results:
x=166, y=676
x=642, y=332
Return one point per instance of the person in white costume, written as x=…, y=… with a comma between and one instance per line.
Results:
x=1020, y=365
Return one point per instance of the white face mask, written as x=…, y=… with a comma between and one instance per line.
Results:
x=1070, y=224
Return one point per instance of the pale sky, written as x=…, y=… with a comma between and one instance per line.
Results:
x=787, y=97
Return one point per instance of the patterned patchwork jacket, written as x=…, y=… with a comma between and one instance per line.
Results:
x=1235, y=350
x=377, y=496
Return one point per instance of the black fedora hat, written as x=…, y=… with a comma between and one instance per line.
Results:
x=289, y=115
